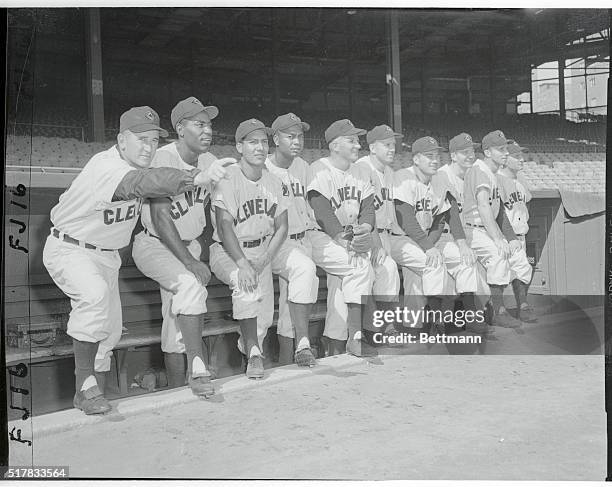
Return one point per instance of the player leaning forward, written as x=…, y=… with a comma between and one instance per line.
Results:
x=299, y=284
x=488, y=229
x=168, y=250
x=94, y=218
x=341, y=196
x=250, y=227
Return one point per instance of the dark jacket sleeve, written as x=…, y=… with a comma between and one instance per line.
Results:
x=154, y=183
x=367, y=214
x=504, y=224
x=437, y=226
x=406, y=219
x=324, y=214
x=454, y=219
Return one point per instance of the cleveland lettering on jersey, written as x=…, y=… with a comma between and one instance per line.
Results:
x=379, y=200
x=424, y=204
x=200, y=195
x=117, y=215
x=345, y=194
x=257, y=206
x=513, y=198
x=298, y=189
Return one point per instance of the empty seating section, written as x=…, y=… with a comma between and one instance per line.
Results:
x=562, y=154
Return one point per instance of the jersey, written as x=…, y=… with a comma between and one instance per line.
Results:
x=427, y=202
x=294, y=182
x=86, y=212
x=187, y=209
x=345, y=190
x=515, y=196
x=479, y=176
x=382, y=184
x=253, y=204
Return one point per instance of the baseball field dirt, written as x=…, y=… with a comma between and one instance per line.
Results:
x=394, y=417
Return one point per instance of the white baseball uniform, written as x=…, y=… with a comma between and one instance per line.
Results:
x=254, y=205
x=480, y=176
x=299, y=282
x=515, y=196
x=345, y=191
x=427, y=203
x=386, y=276
x=181, y=293
x=86, y=212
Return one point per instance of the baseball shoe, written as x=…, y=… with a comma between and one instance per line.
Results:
x=476, y=327
x=305, y=358
x=201, y=385
x=528, y=314
x=353, y=347
x=255, y=367
x=505, y=320
x=91, y=401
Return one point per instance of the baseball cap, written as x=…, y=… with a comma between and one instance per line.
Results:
x=381, y=132
x=141, y=119
x=342, y=128
x=188, y=108
x=461, y=142
x=248, y=126
x=425, y=144
x=494, y=139
x=288, y=120
x=514, y=148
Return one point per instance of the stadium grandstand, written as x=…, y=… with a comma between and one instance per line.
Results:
x=73, y=71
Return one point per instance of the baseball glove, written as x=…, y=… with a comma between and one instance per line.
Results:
x=361, y=243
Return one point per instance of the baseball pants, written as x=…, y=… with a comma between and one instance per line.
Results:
x=90, y=278
x=258, y=304
x=497, y=267
x=181, y=293
x=299, y=282
x=385, y=287
x=408, y=254
x=520, y=268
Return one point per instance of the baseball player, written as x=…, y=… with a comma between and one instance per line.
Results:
x=94, y=218
x=515, y=196
x=487, y=227
x=381, y=140
x=342, y=197
x=451, y=176
x=168, y=250
x=251, y=218
x=422, y=211
x=299, y=284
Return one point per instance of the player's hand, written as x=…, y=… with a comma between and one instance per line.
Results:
x=467, y=255
x=362, y=229
x=502, y=247
x=200, y=270
x=361, y=243
x=433, y=257
x=261, y=262
x=379, y=254
x=515, y=246
x=247, y=277
x=341, y=240
x=215, y=172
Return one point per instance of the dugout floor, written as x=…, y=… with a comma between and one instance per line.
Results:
x=514, y=417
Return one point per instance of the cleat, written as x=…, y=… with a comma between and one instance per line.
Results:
x=353, y=347
x=255, y=367
x=528, y=315
x=201, y=386
x=91, y=401
x=505, y=320
x=305, y=358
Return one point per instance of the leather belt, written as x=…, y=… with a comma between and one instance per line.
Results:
x=473, y=225
x=254, y=243
x=67, y=238
x=297, y=236
x=383, y=230
x=520, y=234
